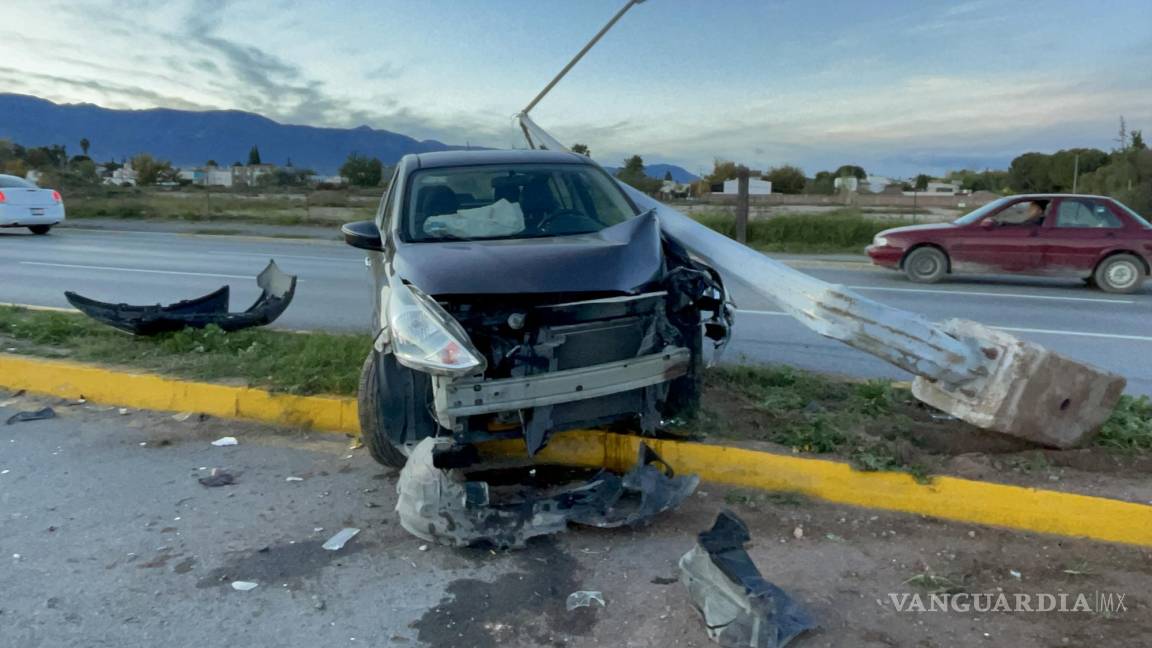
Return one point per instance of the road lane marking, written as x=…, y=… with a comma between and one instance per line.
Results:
x=1111, y=336
x=1011, y=329
x=113, y=269
x=977, y=293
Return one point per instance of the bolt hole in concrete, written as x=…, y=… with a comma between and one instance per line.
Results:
x=1064, y=404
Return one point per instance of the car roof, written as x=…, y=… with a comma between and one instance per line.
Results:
x=1051, y=196
x=496, y=156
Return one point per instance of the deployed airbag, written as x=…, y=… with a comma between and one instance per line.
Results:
x=501, y=218
x=277, y=289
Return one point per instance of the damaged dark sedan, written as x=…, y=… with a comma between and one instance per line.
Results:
x=519, y=293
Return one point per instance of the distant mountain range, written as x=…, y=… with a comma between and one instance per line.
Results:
x=188, y=138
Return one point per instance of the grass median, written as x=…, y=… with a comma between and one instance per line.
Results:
x=843, y=230
x=877, y=424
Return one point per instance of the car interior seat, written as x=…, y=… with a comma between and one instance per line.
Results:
x=537, y=201
x=436, y=200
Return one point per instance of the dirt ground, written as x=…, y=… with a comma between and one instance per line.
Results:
x=114, y=543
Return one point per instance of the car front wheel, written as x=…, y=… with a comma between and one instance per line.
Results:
x=39, y=229
x=393, y=404
x=926, y=265
x=1122, y=273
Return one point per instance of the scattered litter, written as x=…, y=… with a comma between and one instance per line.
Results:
x=244, y=586
x=143, y=443
x=1015, y=574
x=225, y=441
x=5, y=471
x=317, y=529
x=440, y=505
x=218, y=477
x=337, y=542
x=182, y=416
x=10, y=401
x=833, y=537
x=293, y=478
x=740, y=607
x=584, y=599
x=123, y=411
x=798, y=533
x=37, y=415
x=423, y=547
x=356, y=444
x=661, y=580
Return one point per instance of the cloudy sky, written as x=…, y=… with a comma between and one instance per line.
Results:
x=898, y=87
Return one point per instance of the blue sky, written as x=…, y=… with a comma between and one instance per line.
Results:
x=898, y=87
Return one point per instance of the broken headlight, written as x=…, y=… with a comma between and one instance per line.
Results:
x=427, y=338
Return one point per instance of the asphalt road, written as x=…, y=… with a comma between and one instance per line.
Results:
x=108, y=541
x=1111, y=331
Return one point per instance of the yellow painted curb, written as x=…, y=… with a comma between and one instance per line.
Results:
x=149, y=391
x=949, y=498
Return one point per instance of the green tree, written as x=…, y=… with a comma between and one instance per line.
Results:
x=211, y=163
x=150, y=170
x=1029, y=173
x=851, y=170
x=362, y=171
x=254, y=155
x=633, y=173
x=787, y=179
x=822, y=184
x=1138, y=141
x=582, y=149
x=922, y=181
x=84, y=144
x=668, y=176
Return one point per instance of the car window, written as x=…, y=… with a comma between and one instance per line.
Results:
x=510, y=201
x=1140, y=220
x=12, y=182
x=1082, y=212
x=382, y=210
x=1026, y=212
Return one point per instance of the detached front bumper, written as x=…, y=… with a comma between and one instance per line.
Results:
x=457, y=398
x=885, y=255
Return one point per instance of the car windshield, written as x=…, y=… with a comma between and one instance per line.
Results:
x=12, y=182
x=510, y=201
x=973, y=216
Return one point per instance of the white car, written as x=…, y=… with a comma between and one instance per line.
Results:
x=23, y=204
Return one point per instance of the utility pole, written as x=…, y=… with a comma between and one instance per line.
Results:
x=742, y=203
x=1075, y=173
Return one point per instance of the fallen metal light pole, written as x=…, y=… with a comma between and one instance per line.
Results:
x=981, y=375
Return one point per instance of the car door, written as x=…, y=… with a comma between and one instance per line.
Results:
x=1000, y=242
x=1081, y=231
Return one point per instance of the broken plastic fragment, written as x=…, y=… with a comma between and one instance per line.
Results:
x=442, y=506
x=218, y=477
x=293, y=478
x=277, y=290
x=739, y=607
x=584, y=599
x=225, y=441
x=244, y=586
x=37, y=415
x=337, y=542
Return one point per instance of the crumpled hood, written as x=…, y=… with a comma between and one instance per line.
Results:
x=917, y=228
x=623, y=258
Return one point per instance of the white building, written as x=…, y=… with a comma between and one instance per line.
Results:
x=125, y=175
x=756, y=187
x=938, y=189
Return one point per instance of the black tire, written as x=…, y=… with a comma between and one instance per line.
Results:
x=393, y=412
x=40, y=230
x=1090, y=282
x=1120, y=273
x=926, y=265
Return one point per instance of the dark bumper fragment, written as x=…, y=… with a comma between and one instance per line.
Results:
x=277, y=290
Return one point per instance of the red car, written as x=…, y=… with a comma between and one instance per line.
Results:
x=1095, y=238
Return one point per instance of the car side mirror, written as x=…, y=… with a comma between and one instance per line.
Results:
x=363, y=234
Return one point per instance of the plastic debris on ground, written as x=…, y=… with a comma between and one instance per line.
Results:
x=218, y=477
x=584, y=598
x=337, y=542
x=740, y=607
x=441, y=505
x=225, y=441
x=36, y=415
x=293, y=479
x=244, y=586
